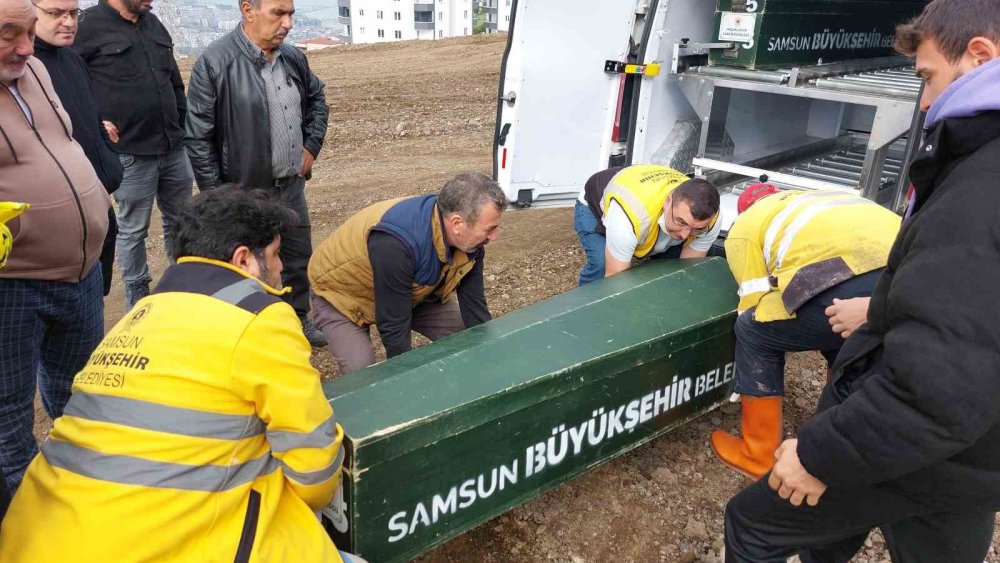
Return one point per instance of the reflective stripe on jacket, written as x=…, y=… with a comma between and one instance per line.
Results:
x=791, y=246
x=198, y=431
x=641, y=190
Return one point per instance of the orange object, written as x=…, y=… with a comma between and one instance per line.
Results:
x=753, y=455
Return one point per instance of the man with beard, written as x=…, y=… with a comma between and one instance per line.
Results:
x=398, y=265
x=54, y=32
x=257, y=117
x=198, y=431
x=141, y=96
x=51, y=310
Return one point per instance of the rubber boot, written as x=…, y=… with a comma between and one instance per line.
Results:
x=753, y=455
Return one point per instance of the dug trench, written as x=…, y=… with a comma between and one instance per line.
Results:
x=405, y=117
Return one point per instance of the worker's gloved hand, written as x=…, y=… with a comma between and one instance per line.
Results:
x=8, y=210
x=846, y=315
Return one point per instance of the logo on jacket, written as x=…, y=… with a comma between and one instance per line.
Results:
x=137, y=316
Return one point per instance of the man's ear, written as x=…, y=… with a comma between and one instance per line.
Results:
x=981, y=50
x=241, y=258
x=453, y=221
x=247, y=10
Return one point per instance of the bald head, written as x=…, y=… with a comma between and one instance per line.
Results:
x=17, y=37
x=4, y=4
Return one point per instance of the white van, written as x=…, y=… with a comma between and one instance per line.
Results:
x=588, y=85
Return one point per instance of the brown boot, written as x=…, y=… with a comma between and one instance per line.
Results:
x=752, y=456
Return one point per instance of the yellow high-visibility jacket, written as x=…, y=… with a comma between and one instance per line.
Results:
x=198, y=431
x=791, y=246
x=641, y=190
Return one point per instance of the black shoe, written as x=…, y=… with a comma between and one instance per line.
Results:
x=315, y=337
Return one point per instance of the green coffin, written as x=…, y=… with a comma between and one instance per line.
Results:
x=785, y=33
x=452, y=434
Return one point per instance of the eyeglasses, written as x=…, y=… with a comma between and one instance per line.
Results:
x=76, y=15
x=683, y=224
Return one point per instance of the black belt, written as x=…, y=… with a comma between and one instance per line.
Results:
x=283, y=182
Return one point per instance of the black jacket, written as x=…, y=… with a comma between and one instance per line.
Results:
x=915, y=399
x=136, y=80
x=72, y=83
x=227, y=134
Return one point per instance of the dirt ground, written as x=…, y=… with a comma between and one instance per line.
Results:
x=404, y=118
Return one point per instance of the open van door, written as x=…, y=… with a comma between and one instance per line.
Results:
x=557, y=107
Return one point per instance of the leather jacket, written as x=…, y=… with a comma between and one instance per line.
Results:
x=227, y=131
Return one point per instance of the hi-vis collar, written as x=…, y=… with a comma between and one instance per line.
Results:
x=228, y=266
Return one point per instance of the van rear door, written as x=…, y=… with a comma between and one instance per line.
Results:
x=557, y=106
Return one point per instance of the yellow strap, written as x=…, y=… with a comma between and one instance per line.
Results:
x=651, y=69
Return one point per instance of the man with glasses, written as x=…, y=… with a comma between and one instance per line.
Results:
x=56, y=30
x=793, y=254
x=141, y=95
x=643, y=211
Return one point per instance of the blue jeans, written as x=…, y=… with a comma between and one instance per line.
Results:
x=167, y=179
x=761, y=347
x=585, y=223
x=47, y=332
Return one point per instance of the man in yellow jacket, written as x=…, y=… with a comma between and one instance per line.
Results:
x=198, y=430
x=406, y=264
x=643, y=211
x=792, y=253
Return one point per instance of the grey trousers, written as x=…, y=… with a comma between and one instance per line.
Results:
x=351, y=345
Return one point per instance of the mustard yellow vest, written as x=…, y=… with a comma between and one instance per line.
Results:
x=641, y=190
x=340, y=270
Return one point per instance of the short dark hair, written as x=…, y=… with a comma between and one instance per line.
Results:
x=466, y=193
x=700, y=195
x=952, y=24
x=214, y=223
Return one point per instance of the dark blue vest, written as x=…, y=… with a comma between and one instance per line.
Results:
x=410, y=221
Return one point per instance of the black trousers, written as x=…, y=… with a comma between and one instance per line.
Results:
x=296, y=247
x=762, y=527
x=108, y=251
x=761, y=347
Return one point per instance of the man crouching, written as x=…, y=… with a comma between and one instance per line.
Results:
x=399, y=265
x=198, y=430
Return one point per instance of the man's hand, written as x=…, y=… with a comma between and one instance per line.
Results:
x=112, y=131
x=846, y=315
x=307, y=162
x=791, y=480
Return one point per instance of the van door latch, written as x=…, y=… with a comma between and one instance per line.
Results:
x=616, y=67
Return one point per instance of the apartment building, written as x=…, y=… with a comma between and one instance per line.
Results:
x=378, y=21
x=497, y=14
